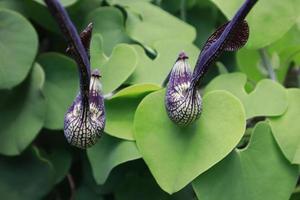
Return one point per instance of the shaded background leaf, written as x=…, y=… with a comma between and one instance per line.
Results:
x=17, y=37
x=22, y=113
x=28, y=176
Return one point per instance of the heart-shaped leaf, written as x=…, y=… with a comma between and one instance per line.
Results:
x=266, y=26
x=108, y=153
x=155, y=71
x=22, y=113
x=177, y=155
x=116, y=69
x=61, y=87
x=148, y=24
x=268, y=98
x=286, y=128
x=257, y=172
x=120, y=110
x=25, y=177
x=109, y=22
x=18, y=46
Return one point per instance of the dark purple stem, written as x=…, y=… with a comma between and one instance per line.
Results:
x=207, y=57
x=71, y=35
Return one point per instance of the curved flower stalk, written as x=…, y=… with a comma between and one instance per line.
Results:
x=183, y=101
x=85, y=120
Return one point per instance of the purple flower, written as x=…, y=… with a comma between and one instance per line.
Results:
x=183, y=103
x=84, y=125
x=183, y=100
x=85, y=119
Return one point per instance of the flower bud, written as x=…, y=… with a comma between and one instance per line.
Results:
x=83, y=125
x=183, y=103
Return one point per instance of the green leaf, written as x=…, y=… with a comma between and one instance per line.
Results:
x=138, y=176
x=15, y=5
x=155, y=71
x=250, y=173
x=287, y=48
x=268, y=98
x=22, y=113
x=174, y=155
x=136, y=90
x=61, y=87
x=120, y=110
x=118, y=68
x=115, y=69
x=221, y=68
x=25, y=177
x=249, y=62
x=148, y=24
x=18, y=46
x=286, y=128
x=266, y=26
x=61, y=160
x=108, y=153
x=84, y=193
x=63, y=2
x=175, y=5
x=124, y=2
x=203, y=18
x=139, y=185
x=97, y=55
x=109, y=22
x=77, y=10
x=290, y=39
x=296, y=194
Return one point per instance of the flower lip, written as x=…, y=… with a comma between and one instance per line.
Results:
x=96, y=73
x=182, y=56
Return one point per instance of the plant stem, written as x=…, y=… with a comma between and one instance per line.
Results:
x=267, y=64
x=182, y=10
x=71, y=35
x=72, y=186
